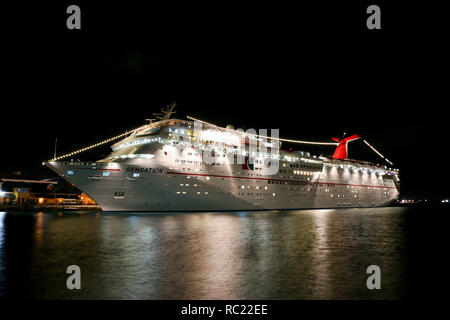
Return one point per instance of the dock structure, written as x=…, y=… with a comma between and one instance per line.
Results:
x=25, y=192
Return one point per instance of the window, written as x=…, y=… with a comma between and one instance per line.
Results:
x=119, y=195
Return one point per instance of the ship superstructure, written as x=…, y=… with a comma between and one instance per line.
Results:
x=183, y=165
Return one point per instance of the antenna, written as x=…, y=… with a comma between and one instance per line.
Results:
x=56, y=142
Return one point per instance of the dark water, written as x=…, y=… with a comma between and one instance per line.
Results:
x=311, y=254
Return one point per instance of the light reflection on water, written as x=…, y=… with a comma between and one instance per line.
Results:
x=2, y=259
x=307, y=254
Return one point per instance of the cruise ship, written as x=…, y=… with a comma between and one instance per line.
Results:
x=173, y=165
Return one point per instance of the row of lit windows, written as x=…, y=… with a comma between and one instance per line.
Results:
x=296, y=172
x=202, y=146
x=297, y=183
x=132, y=156
x=273, y=194
x=303, y=172
x=277, y=181
x=249, y=187
x=198, y=192
x=257, y=194
x=136, y=142
x=302, y=166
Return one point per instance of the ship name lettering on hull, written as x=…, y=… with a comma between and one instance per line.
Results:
x=144, y=170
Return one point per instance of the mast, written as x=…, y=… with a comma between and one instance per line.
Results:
x=165, y=113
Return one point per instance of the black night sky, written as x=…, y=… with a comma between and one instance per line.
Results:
x=312, y=71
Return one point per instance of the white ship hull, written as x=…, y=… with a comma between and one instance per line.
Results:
x=179, y=165
x=153, y=186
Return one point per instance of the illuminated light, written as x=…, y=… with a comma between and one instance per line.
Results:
x=219, y=136
x=378, y=153
x=311, y=161
x=41, y=200
x=210, y=124
x=94, y=145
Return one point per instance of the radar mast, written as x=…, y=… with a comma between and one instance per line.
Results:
x=164, y=114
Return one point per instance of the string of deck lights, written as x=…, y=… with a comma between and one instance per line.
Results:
x=279, y=139
x=378, y=153
x=94, y=145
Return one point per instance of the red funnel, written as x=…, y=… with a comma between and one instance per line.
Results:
x=341, y=150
